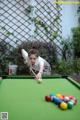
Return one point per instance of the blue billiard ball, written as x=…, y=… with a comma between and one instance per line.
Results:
x=56, y=100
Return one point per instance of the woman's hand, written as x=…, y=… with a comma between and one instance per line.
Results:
x=38, y=76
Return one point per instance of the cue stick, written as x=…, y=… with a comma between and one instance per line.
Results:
x=32, y=71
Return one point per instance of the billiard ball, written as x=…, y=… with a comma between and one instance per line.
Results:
x=71, y=97
x=48, y=98
x=72, y=101
x=57, y=100
x=70, y=105
x=66, y=99
x=60, y=96
x=52, y=98
x=52, y=94
x=63, y=106
x=75, y=101
x=39, y=80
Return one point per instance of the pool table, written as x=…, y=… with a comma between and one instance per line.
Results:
x=23, y=98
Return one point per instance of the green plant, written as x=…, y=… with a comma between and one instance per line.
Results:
x=66, y=48
x=4, y=50
x=40, y=23
x=65, y=67
x=3, y=65
x=6, y=32
x=76, y=41
x=51, y=34
x=76, y=65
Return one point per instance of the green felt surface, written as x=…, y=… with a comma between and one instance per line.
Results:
x=24, y=99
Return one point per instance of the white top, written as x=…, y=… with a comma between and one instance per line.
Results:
x=39, y=61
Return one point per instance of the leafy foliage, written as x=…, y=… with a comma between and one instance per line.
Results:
x=66, y=48
x=76, y=41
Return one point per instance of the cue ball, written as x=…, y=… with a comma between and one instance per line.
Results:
x=39, y=80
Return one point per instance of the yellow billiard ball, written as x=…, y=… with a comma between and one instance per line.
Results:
x=63, y=106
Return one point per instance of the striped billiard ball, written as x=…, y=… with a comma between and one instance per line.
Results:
x=70, y=105
x=66, y=99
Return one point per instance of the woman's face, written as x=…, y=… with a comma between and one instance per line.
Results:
x=32, y=59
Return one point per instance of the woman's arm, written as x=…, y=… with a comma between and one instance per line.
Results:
x=24, y=55
x=39, y=75
x=41, y=68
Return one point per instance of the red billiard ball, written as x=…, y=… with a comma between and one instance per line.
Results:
x=71, y=97
x=48, y=98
